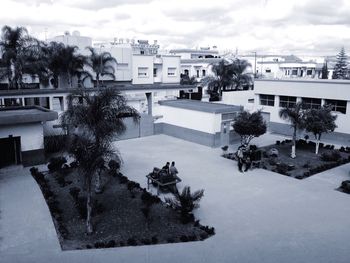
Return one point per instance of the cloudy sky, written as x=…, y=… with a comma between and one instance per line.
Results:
x=302, y=27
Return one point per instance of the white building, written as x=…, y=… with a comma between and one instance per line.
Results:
x=271, y=95
x=74, y=39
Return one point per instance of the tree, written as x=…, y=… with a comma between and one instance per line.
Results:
x=324, y=71
x=249, y=125
x=229, y=75
x=101, y=64
x=319, y=121
x=98, y=119
x=341, y=67
x=17, y=47
x=295, y=115
x=186, y=80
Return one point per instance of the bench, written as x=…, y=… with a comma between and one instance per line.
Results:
x=155, y=178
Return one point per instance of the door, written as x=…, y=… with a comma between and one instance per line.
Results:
x=266, y=117
x=225, y=133
x=10, y=151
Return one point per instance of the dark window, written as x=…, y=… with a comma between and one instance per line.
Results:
x=197, y=73
x=203, y=72
x=294, y=72
x=250, y=100
x=268, y=100
x=309, y=72
x=268, y=70
x=154, y=72
x=142, y=52
x=337, y=105
x=12, y=102
x=311, y=103
x=186, y=72
x=287, y=102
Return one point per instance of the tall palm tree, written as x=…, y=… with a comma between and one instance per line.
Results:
x=101, y=64
x=99, y=119
x=229, y=75
x=295, y=115
x=16, y=46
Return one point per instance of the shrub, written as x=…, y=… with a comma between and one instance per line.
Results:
x=192, y=237
x=123, y=179
x=307, y=165
x=73, y=164
x=132, y=242
x=74, y=192
x=186, y=201
x=203, y=236
x=282, y=168
x=333, y=156
x=184, y=238
x=224, y=148
x=154, y=240
x=272, y=161
x=146, y=241
x=278, y=142
x=170, y=240
x=53, y=144
x=56, y=163
x=99, y=244
x=145, y=211
x=196, y=223
x=149, y=199
x=110, y=243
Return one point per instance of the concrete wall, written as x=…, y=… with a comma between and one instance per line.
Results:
x=239, y=98
x=142, y=128
x=190, y=119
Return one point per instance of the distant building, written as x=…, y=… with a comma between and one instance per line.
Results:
x=203, y=52
x=74, y=39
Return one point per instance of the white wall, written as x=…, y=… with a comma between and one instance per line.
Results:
x=322, y=89
x=143, y=61
x=31, y=135
x=196, y=120
x=239, y=98
x=171, y=62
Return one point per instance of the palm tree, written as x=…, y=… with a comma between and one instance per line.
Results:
x=16, y=46
x=229, y=75
x=99, y=119
x=101, y=64
x=295, y=115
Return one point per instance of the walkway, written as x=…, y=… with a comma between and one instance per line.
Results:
x=259, y=216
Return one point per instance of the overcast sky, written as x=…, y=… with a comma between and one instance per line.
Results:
x=303, y=27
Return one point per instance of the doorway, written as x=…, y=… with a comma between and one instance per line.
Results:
x=10, y=151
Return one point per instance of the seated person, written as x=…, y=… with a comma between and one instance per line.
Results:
x=166, y=167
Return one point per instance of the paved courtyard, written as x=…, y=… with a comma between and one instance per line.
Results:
x=259, y=216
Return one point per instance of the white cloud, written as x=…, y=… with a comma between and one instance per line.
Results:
x=298, y=26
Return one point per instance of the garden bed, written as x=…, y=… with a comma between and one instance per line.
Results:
x=120, y=216
x=306, y=163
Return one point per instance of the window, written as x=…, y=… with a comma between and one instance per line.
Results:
x=143, y=72
x=197, y=73
x=268, y=70
x=203, y=72
x=268, y=100
x=337, y=105
x=311, y=103
x=309, y=72
x=171, y=72
x=250, y=100
x=37, y=101
x=287, y=102
x=12, y=102
x=186, y=72
x=155, y=72
x=294, y=72
x=142, y=52
x=57, y=104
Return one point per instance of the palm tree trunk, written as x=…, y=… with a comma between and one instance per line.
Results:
x=97, y=80
x=89, y=228
x=98, y=185
x=293, y=154
x=317, y=144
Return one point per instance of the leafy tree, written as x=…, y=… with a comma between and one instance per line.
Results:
x=324, y=71
x=341, y=67
x=98, y=119
x=101, y=64
x=229, y=75
x=17, y=48
x=295, y=115
x=319, y=121
x=249, y=125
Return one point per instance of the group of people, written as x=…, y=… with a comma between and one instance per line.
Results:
x=244, y=156
x=170, y=169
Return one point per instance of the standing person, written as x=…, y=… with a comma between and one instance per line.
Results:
x=240, y=156
x=248, y=160
x=173, y=171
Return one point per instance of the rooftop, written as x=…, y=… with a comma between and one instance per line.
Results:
x=201, y=106
x=26, y=114
x=121, y=87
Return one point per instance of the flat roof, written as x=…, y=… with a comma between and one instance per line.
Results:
x=319, y=81
x=201, y=106
x=120, y=87
x=26, y=114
